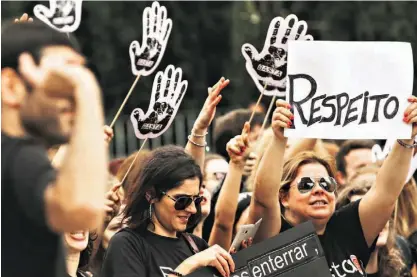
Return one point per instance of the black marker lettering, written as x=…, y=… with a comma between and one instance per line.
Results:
x=340, y=107
x=350, y=110
x=309, y=96
x=313, y=119
x=365, y=108
x=396, y=107
x=325, y=104
x=378, y=99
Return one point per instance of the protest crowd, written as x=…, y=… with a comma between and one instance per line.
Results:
x=68, y=210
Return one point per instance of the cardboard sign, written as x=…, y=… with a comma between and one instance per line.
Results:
x=379, y=155
x=293, y=253
x=156, y=30
x=349, y=90
x=167, y=93
x=62, y=15
x=270, y=65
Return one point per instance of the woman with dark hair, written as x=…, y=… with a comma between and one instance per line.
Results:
x=306, y=189
x=159, y=208
x=79, y=246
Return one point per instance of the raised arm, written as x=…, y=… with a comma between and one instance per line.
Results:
x=377, y=205
x=196, y=141
x=75, y=200
x=226, y=206
x=265, y=203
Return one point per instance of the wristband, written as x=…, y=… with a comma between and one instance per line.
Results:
x=195, y=143
x=409, y=146
x=197, y=135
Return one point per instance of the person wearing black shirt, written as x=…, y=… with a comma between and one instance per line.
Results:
x=48, y=98
x=160, y=206
x=306, y=189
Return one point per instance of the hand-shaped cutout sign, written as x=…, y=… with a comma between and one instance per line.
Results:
x=167, y=93
x=62, y=15
x=379, y=155
x=270, y=66
x=156, y=30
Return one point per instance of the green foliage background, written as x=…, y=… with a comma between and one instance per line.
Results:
x=207, y=36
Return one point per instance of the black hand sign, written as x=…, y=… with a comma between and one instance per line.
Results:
x=167, y=93
x=62, y=15
x=270, y=66
x=156, y=31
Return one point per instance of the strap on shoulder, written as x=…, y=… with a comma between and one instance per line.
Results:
x=191, y=242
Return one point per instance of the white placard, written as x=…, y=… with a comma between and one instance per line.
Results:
x=145, y=58
x=62, y=15
x=268, y=68
x=349, y=90
x=167, y=93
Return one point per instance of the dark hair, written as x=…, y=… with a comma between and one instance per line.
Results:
x=242, y=205
x=166, y=168
x=348, y=146
x=30, y=37
x=230, y=125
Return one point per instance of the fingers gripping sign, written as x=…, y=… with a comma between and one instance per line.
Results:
x=167, y=93
x=268, y=68
x=156, y=30
x=62, y=15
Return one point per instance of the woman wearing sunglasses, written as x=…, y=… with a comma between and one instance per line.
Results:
x=306, y=190
x=160, y=206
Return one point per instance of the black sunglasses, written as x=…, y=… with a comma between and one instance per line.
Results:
x=306, y=184
x=182, y=202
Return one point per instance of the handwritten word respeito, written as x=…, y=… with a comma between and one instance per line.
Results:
x=384, y=105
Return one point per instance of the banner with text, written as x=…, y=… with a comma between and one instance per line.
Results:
x=349, y=90
x=293, y=253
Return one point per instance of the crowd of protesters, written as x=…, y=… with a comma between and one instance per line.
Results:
x=67, y=210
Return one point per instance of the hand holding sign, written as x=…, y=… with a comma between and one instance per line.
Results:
x=281, y=118
x=156, y=31
x=237, y=146
x=167, y=93
x=269, y=67
x=62, y=15
x=214, y=256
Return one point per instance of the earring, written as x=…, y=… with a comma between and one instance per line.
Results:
x=150, y=211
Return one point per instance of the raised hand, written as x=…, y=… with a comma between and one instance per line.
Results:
x=156, y=30
x=410, y=115
x=281, y=118
x=237, y=146
x=62, y=15
x=208, y=111
x=270, y=65
x=167, y=93
x=24, y=18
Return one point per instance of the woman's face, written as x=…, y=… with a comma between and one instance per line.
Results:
x=166, y=216
x=215, y=170
x=316, y=204
x=76, y=241
x=206, y=203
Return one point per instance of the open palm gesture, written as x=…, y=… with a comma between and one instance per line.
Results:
x=270, y=65
x=156, y=30
x=167, y=93
x=62, y=15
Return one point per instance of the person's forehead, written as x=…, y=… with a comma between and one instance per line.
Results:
x=312, y=170
x=188, y=187
x=359, y=156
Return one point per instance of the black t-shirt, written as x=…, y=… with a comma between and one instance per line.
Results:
x=132, y=254
x=28, y=246
x=344, y=243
